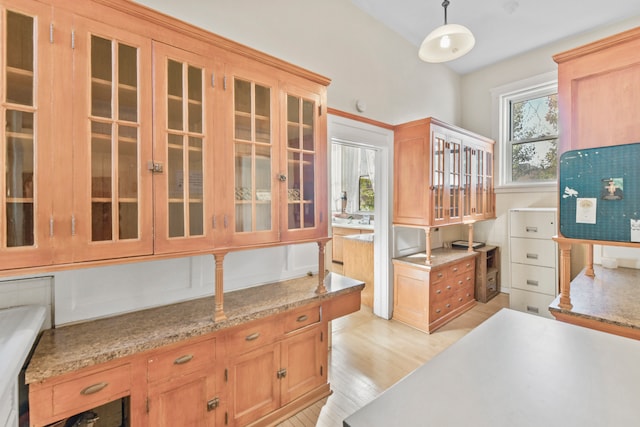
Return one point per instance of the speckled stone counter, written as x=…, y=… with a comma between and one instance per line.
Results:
x=611, y=297
x=439, y=257
x=73, y=347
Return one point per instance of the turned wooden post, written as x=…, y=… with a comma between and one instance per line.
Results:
x=470, y=248
x=589, y=270
x=321, y=289
x=218, y=314
x=427, y=231
x=565, y=275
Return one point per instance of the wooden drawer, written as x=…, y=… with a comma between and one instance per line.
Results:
x=531, y=302
x=92, y=390
x=438, y=276
x=463, y=281
x=254, y=335
x=533, y=252
x=300, y=318
x=462, y=267
x=181, y=360
x=534, y=279
x=536, y=224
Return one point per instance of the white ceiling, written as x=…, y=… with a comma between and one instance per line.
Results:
x=502, y=28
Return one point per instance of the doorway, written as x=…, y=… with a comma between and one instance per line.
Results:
x=351, y=133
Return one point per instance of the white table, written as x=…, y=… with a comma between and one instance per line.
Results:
x=19, y=327
x=517, y=370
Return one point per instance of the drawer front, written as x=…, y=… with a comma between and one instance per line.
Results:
x=437, y=276
x=492, y=281
x=534, y=279
x=92, y=390
x=462, y=267
x=534, y=252
x=533, y=224
x=300, y=318
x=531, y=302
x=181, y=361
x=255, y=335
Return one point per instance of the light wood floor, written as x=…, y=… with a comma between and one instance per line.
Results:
x=369, y=354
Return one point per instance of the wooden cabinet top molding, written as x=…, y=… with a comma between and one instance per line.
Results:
x=433, y=121
x=598, y=45
x=69, y=348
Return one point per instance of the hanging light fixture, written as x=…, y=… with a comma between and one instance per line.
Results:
x=447, y=42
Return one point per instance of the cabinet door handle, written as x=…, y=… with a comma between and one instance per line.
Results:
x=92, y=389
x=302, y=318
x=183, y=359
x=531, y=229
x=532, y=282
x=213, y=404
x=532, y=256
x=281, y=373
x=253, y=336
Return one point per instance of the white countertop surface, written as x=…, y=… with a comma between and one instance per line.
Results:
x=19, y=327
x=517, y=370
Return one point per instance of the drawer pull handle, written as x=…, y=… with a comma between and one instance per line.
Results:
x=460, y=281
x=531, y=229
x=448, y=286
x=92, y=389
x=302, y=318
x=439, y=275
x=532, y=256
x=455, y=269
x=468, y=265
x=253, y=336
x=438, y=311
x=460, y=299
x=448, y=306
x=532, y=309
x=532, y=282
x=438, y=291
x=183, y=359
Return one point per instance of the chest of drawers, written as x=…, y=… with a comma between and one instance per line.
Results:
x=534, y=259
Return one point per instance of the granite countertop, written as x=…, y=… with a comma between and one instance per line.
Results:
x=439, y=257
x=612, y=296
x=69, y=348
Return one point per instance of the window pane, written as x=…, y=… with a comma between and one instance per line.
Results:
x=534, y=118
x=534, y=161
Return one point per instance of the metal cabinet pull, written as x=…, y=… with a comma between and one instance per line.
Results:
x=532, y=256
x=281, y=373
x=439, y=275
x=532, y=282
x=438, y=291
x=302, y=318
x=448, y=286
x=92, y=389
x=460, y=282
x=253, y=336
x=183, y=359
x=438, y=311
x=213, y=404
x=531, y=229
x=460, y=299
x=448, y=306
x=455, y=269
x=532, y=309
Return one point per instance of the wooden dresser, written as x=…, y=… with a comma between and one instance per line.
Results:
x=428, y=296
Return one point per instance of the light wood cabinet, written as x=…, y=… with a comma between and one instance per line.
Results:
x=488, y=275
x=337, y=241
x=428, y=296
x=442, y=175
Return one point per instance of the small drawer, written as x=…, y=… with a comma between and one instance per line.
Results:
x=254, y=335
x=92, y=390
x=492, y=281
x=534, y=279
x=300, y=318
x=531, y=302
x=533, y=224
x=534, y=252
x=181, y=360
x=437, y=276
x=462, y=267
x=463, y=281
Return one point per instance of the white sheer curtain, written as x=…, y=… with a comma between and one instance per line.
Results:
x=348, y=164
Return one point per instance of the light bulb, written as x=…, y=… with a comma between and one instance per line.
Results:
x=445, y=42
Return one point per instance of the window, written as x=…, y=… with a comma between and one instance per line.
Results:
x=365, y=190
x=528, y=134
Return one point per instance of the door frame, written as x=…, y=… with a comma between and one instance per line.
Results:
x=355, y=133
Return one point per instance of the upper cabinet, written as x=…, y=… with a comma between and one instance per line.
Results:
x=26, y=143
x=443, y=175
x=596, y=83
x=139, y=135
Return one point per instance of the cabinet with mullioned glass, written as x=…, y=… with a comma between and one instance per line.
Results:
x=26, y=216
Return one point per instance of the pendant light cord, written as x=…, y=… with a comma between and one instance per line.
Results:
x=445, y=3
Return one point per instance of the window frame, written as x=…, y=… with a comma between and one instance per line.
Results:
x=530, y=88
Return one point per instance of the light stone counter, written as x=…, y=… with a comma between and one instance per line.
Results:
x=439, y=257
x=73, y=347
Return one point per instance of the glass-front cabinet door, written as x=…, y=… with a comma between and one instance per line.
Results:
x=438, y=176
x=26, y=218
x=304, y=180
x=489, y=192
x=184, y=150
x=468, y=179
x=255, y=159
x=112, y=143
x=454, y=147
x=479, y=188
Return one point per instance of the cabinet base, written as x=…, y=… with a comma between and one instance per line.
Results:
x=292, y=408
x=597, y=325
x=438, y=323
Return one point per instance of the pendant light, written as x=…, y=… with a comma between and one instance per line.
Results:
x=447, y=42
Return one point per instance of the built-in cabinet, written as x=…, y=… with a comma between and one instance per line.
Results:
x=443, y=175
x=534, y=259
x=138, y=135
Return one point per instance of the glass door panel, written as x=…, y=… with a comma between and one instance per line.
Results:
x=185, y=167
x=19, y=145
x=252, y=133
x=488, y=191
x=301, y=157
x=454, y=180
x=467, y=179
x=438, y=156
x=479, y=197
x=114, y=140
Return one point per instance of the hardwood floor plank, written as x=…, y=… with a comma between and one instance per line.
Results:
x=369, y=354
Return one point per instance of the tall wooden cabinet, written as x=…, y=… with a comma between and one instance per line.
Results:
x=139, y=135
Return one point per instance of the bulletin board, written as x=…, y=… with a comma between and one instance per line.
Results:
x=600, y=193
